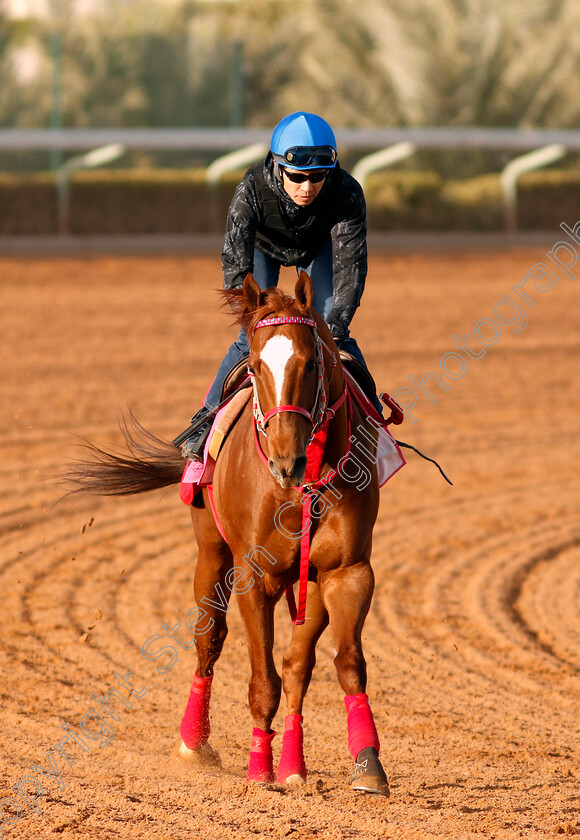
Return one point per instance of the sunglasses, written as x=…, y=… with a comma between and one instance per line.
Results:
x=308, y=155
x=315, y=176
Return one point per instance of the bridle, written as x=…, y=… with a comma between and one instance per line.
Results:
x=320, y=411
x=320, y=416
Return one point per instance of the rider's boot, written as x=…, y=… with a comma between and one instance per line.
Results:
x=192, y=449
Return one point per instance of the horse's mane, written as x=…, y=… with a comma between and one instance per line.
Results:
x=272, y=301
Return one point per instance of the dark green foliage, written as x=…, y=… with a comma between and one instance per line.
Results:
x=371, y=63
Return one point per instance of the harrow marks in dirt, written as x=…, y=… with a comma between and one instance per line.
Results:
x=473, y=639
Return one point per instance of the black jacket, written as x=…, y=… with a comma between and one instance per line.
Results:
x=262, y=215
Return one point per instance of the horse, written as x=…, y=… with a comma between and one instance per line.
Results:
x=282, y=509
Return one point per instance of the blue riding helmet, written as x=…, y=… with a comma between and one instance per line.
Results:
x=304, y=141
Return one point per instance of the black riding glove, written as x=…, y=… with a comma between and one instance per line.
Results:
x=337, y=332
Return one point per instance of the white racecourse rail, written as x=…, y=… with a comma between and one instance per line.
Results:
x=225, y=139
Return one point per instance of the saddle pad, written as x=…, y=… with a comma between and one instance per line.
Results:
x=199, y=474
x=225, y=420
x=390, y=459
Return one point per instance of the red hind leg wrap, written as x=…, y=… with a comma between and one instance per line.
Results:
x=292, y=757
x=195, y=724
x=261, y=763
x=362, y=731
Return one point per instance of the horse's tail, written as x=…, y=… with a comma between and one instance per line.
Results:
x=148, y=464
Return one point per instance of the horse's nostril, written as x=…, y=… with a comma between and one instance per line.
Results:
x=287, y=469
x=277, y=469
x=300, y=465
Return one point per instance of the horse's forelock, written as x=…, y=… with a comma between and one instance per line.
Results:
x=276, y=302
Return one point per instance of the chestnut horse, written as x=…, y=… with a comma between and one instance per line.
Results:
x=280, y=503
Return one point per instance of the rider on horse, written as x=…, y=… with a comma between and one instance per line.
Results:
x=297, y=207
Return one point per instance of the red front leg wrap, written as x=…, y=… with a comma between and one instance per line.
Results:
x=195, y=724
x=261, y=764
x=362, y=731
x=292, y=757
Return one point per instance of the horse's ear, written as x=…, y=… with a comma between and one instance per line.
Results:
x=303, y=292
x=252, y=293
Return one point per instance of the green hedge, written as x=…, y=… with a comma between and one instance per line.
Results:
x=179, y=201
x=548, y=198
x=116, y=202
x=27, y=204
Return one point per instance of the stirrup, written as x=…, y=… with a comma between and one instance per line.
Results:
x=192, y=449
x=198, y=421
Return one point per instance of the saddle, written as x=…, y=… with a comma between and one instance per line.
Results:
x=235, y=377
x=361, y=375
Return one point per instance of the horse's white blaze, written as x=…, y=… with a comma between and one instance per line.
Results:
x=276, y=353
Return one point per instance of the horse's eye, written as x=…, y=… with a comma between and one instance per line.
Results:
x=310, y=366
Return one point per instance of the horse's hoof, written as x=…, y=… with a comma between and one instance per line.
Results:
x=263, y=777
x=368, y=775
x=205, y=755
x=295, y=780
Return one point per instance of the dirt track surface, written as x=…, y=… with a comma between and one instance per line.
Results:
x=473, y=640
